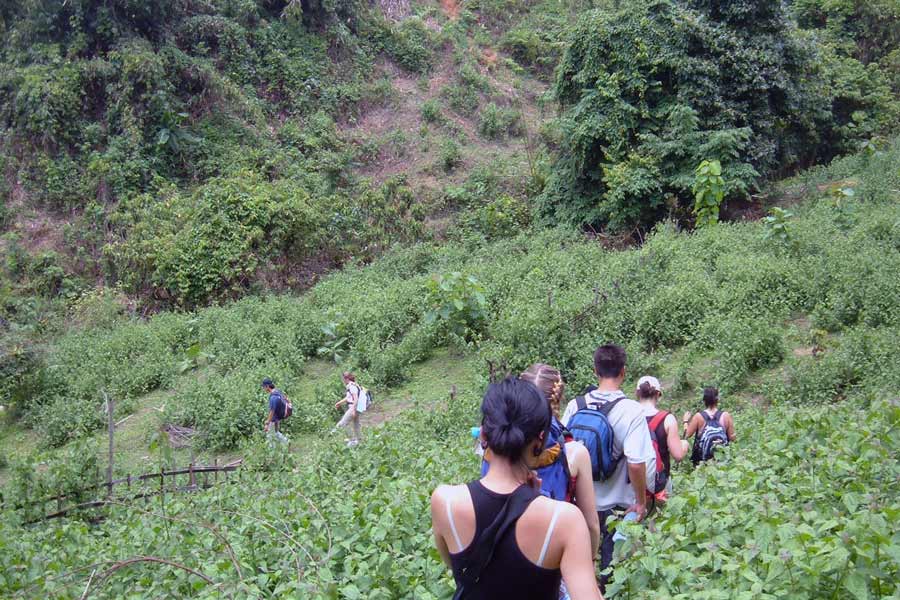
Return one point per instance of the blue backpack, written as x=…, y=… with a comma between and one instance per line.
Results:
x=590, y=426
x=555, y=478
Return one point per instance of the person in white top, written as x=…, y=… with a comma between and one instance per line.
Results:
x=636, y=468
x=352, y=415
x=665, y=426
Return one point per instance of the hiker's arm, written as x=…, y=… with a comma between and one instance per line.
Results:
x=637, y=473
x=692, y=427
x=729, y=427
x=584, y=493
x=638, y=447
x=269, y=419
x=437, y=515
x=577, y=563
x=677, y=447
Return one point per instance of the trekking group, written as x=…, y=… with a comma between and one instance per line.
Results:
x=552, y=484
x=357, y=399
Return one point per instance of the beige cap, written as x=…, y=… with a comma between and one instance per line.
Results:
x=653, y=381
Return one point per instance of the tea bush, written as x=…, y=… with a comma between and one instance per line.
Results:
x=495, y=122
x=801, y=508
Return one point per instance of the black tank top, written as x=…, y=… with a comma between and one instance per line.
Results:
x=510, y=574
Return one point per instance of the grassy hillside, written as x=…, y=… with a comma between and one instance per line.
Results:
x=194, y=196
x=794, y=318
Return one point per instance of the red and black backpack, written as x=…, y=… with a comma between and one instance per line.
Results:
x=657, y=425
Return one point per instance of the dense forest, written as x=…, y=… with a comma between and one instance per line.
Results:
x=198, y=194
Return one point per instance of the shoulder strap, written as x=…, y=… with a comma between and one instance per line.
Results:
x=718, y=416
x=657, y=419
x=580, y=402
x=549, y=535
x=705, y=416
x=486, y=543
x=608, y=406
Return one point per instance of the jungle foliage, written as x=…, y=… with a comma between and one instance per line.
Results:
x=651, y=89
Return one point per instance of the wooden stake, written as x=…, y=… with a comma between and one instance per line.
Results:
x=112, y=430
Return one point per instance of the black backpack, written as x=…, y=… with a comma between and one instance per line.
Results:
x=706, y=441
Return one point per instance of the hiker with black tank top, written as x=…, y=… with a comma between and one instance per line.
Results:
x=633, y=457
x=663, y=433
x=499, y=535
x=710, y=427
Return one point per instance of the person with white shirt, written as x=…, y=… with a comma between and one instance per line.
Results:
x=635, y=470
x=664, y=428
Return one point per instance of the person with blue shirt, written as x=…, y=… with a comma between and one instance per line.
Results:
x=277, y=408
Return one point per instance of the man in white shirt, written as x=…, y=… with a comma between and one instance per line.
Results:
x=635, y=470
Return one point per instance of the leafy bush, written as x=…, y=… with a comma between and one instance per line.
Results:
x=709, y=189
x=495, y=122
x=217, y=242
x=458, y=301
x=450, y=155
x=431, y=111
x=409, y=43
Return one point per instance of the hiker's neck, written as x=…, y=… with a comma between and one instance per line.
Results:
x=503, y=475
x=609, y=384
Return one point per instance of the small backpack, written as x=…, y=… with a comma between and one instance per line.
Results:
x=656, y=426
x=287, y=409
x=363, y=399
x=590, y=426
x=713, y=435
x=556, y=479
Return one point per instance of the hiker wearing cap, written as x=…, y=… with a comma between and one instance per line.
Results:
x=710, y=427
x=663, y=433
x=614, y=430
x=279, y=407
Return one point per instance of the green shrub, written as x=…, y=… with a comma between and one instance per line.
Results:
x=450, y=155
x=431, y=111
x=459, y=302
x=218, y=237
x=409, y=43
x=504, y=217
x=495, y=122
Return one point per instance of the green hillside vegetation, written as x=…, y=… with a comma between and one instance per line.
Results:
x=791, y=322
x=197, y=195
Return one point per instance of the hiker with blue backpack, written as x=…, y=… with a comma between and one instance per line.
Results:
x=564, y=467
x=710, y=427
x=613, y=429
x=279, y=409
x=499, y=535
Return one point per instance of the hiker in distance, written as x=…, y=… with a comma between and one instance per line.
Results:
x=615, y=431
x=357, y=400
x=710, y=427
x=499, y=535
x=664, y=434
x=279, y=409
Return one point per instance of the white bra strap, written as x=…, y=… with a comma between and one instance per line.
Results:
x=546, y=545
x=459, y=545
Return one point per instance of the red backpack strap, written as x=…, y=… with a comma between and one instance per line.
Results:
x=657, y=419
